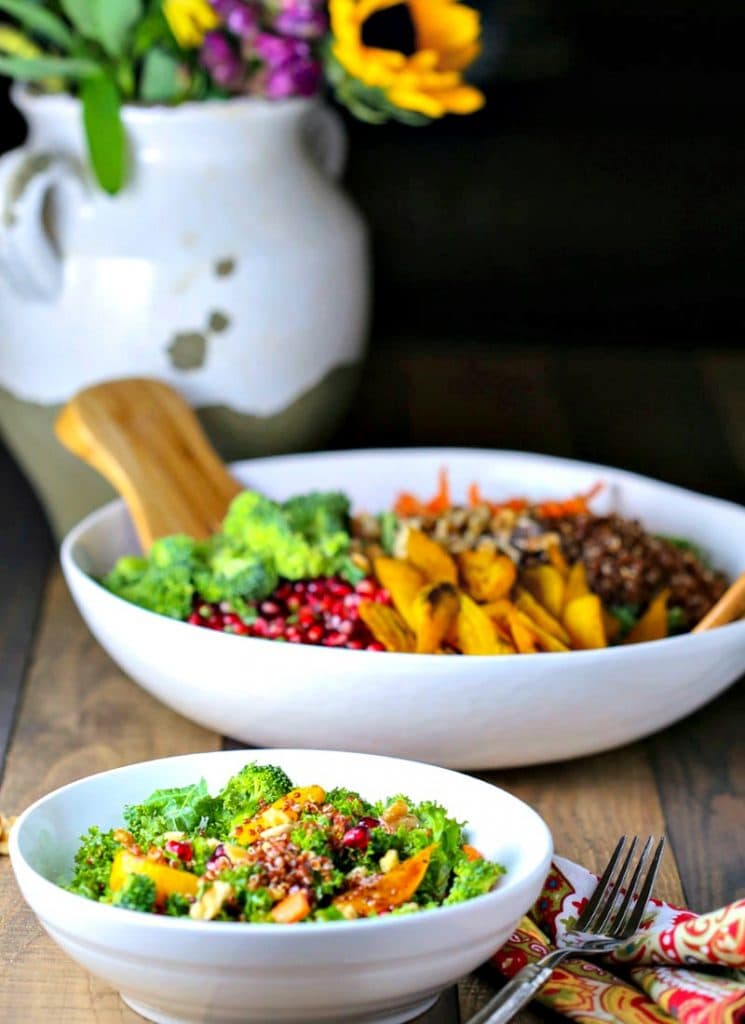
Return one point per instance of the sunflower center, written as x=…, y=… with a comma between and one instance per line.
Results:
x=391, y=29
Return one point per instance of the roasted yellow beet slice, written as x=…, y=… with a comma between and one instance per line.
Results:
x=653, y=623
x=430, y=558
x=547, y=586
x=576, y=583
x=384, y=892
x=538, y=614
x=523, y=635
x=282, y=812
x=486, y=575
x=403, y=582
x=434, y=613
x=388, y=627
x=583, y=619
x=475, y=633
x=167, y=880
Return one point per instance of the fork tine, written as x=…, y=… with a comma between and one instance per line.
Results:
x=632, y=887
x=606, y=908
x=588, y=913
x=634, y=921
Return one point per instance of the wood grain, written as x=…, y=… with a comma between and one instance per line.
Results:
x=144, y=438
x=25, y=551
x=588, y=803
x=699, y=766
x=78, y=715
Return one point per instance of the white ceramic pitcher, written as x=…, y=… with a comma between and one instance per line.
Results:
x=231, y=265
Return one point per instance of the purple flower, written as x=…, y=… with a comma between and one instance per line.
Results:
x=238, y=17
x=297, y=78
x=221, y=60
x=277, y=51
x=303, y=19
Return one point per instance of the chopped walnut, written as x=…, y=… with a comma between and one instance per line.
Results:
x=397, y=816
x=209, y=906
x=389, y=861
x=5, y=826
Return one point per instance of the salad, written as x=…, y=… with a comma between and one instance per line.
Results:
x=266, y=851
x=427, y=576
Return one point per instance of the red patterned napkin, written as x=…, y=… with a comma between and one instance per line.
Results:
x=643, y=987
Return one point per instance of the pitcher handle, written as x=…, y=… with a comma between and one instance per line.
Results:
x=29, y=258
x=326, y=139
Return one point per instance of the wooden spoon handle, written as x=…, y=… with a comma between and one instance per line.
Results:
x=143, y=437
x=730, y=606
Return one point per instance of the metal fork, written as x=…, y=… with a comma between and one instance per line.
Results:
x=609, y=919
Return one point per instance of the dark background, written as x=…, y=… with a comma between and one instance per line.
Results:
x=598, y=200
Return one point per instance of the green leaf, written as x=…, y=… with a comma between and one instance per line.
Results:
x=40, y=21
x=108, y=22
x=37, y=68
x=104, y=131
x=162, y=78
x=115, y=23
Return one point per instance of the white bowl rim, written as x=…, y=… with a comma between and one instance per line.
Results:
x=132, y=917
x=601, y=655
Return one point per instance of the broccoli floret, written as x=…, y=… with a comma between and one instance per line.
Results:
x=257, y=524
x=228, y=573
x=254, y=785
x=176, y=905
x=137, y=893
x=185, y=809
x=162, y=582
x=318, y=515
x=473, y=878
x=93, y=862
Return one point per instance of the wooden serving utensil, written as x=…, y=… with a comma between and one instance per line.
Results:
x=144, y=438
x=730, y=606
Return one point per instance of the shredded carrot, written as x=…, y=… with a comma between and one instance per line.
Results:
x=441, y=500
x=471, y=853
x=407, y=504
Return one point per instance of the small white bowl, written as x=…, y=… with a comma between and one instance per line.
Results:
x=175, y=971
x=465, y=712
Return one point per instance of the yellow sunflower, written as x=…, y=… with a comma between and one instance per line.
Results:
x=190, y=20
x=430, y=80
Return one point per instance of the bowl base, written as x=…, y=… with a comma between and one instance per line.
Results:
x=200, y=1016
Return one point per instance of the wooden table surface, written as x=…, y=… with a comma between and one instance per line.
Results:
x=67, y=711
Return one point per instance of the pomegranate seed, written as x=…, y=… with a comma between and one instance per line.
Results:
x=355, y=645
x=241, y=629
x=195, y=619
x=306, y=617
x=375, y=646
x=231, y=619
x=356, y=838
x=366, y=588
x=269, y=608
x=180, y=849
x=314, y=634
x=369, y=822
x=293, y=603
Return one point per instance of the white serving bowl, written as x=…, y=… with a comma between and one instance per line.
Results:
x=465, y=712
x=175, y=971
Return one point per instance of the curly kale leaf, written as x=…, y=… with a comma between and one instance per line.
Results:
x=182, y=809
x=93, y=862
x=473, y=878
